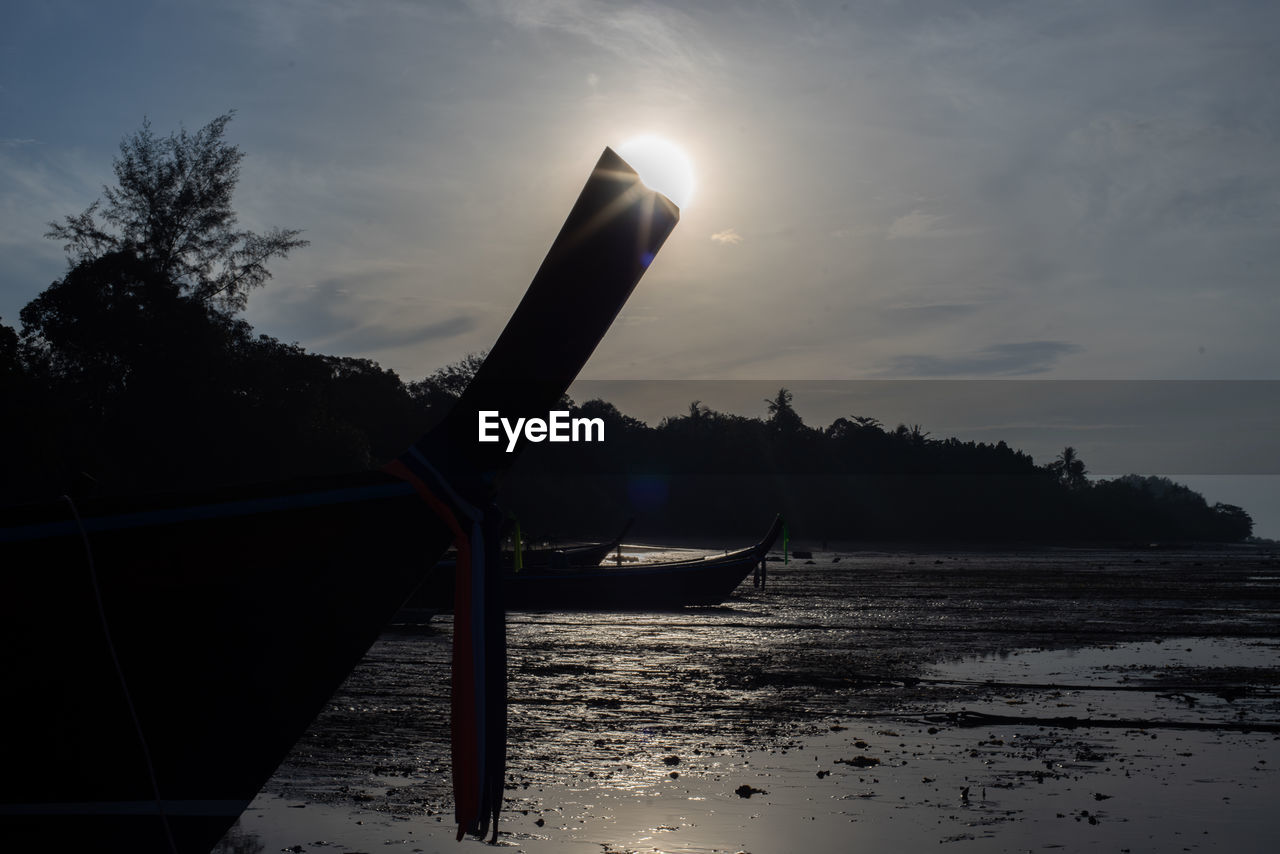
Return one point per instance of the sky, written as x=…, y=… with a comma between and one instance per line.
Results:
x=940, y=189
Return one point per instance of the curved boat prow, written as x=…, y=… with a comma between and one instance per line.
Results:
x=237, y=612
x=609, y=239
x=626, y=529
x=607, y=242
x=775, y=530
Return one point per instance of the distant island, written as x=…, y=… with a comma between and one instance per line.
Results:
x=135, y=373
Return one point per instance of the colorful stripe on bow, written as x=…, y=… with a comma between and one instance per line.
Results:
x=479, y=671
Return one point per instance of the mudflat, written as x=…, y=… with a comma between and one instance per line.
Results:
x=995, y=699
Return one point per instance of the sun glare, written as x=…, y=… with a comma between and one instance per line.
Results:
x=662, y=166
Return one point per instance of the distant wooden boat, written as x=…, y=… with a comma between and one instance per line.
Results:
x=160, y=656
x=435, y=594
x=581, y=554
x=587, y=554
x=656, y=586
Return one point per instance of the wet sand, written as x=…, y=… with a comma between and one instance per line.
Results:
x=845, y=693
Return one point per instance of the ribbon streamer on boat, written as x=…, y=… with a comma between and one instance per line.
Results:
x=479, y=670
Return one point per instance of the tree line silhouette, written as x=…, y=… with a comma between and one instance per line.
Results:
x=135, y=373
x=852, y=480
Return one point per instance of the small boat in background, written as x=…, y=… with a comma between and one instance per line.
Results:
x=436, y=592
x=583, y=554
x=655, y=586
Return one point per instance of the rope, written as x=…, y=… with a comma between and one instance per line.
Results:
x=124, y=685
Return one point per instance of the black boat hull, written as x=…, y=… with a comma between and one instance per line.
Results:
x=589, y=554
x=652, y=587
x=232, y=622
x=660, y=586
x=657, y=588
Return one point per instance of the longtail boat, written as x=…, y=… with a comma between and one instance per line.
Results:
x=658, y=586
x=160, y=656
x=578, y=554
x=655, y=586
x=436, y=592
x=585, y=554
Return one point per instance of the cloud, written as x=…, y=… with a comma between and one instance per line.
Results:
x=373, y=337
x=37, y=186
x=348, y=315
x=1014, y=359
x=728, y=236
x=914, y=224
x=932, y=312
x=1157, y=170
x=921, y=224
x=638, y=32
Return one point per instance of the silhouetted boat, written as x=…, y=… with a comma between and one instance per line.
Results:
x=655, y=586
x=436, y=592
x=160, y=656
x=582, y=554
x=586, y=554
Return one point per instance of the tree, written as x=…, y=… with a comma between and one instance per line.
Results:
x=448, y=383
x=113, y=316
x=612, y=417
x=854, y=428
x=1069, y=468
x=171, y=207
x=10, y=367
x=1233, y=523
x=782, y=416
x=917, y=436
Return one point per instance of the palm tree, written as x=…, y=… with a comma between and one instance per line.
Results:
x=782, y=416
x=1070, y=468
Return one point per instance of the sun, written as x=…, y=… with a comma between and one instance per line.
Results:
x=662, y=165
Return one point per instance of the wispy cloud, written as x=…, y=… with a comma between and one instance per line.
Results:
x=727, y=236
x=921, y=224
x=639, y=32
x=38, y=185
x=380, y=336
x=1150, y=169
x=349, y=315
x=933, y=311
x=1019, y=358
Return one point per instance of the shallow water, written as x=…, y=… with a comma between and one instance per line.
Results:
x=600, y=703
